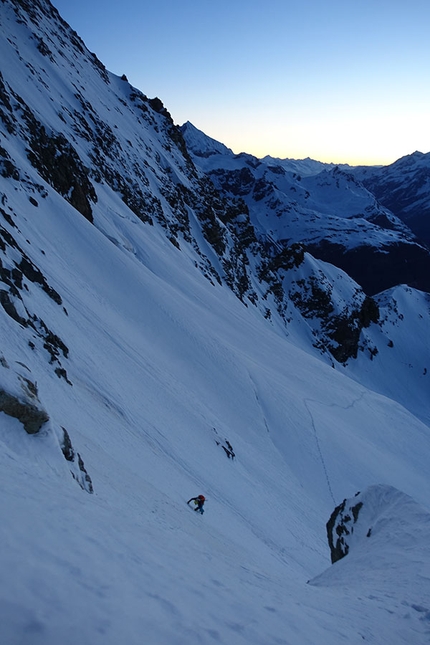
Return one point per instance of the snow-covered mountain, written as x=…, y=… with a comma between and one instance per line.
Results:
x=404, y=188
x=151, y=325
x=324, y=207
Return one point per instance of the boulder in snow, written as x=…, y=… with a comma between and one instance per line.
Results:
x=19, y=399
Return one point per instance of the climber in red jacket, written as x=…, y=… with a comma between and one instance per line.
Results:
x=198, y=502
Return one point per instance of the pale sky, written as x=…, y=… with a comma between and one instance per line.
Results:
x=344, y=81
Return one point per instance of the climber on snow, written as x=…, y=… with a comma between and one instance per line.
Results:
x=198, y=502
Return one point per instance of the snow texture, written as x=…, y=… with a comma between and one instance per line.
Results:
x=164, y=368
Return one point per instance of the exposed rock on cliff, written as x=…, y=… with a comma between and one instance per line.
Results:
x=19, y=397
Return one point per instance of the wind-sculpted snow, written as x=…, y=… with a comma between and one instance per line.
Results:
x=381, y=519
x=157, y=332
x=386, y=535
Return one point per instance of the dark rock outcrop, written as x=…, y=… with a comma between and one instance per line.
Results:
x=340, y=526
x=77, y=467
x=19, y=396
x=31, y=416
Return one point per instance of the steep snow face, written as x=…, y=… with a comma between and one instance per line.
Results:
x=403, y=354
x=123, y=316
x=201, y=144
x=160, y=375
x=118, y=159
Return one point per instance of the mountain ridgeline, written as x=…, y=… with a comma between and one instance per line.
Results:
x=177, y=320
x=256, y=226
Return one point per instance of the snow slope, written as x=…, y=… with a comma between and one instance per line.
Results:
x=163, y=366
x=160, y=372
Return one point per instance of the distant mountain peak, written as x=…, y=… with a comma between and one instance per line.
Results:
x=156, y=299
x=201, y=144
